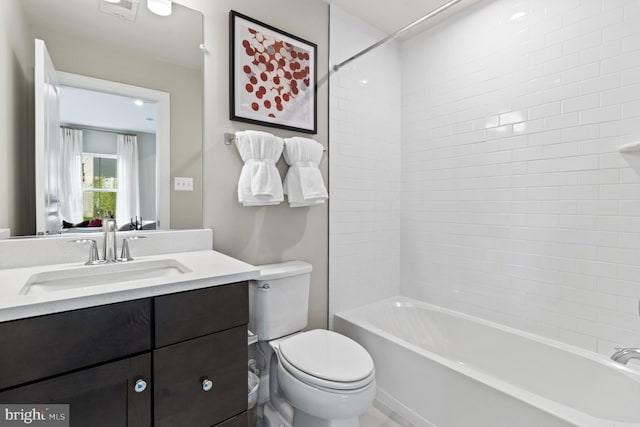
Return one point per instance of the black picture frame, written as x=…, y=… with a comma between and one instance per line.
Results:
x=272, y=76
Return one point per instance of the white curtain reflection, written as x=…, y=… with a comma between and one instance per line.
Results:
x=70, y=177
x=128, y=197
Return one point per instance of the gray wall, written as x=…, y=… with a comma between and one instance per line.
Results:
x=262, y=234
x=185, y=87
x=16, y=146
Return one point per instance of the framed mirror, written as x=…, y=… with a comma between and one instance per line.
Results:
x=103, y=47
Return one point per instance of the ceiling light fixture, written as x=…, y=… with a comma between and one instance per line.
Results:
x=160, y=7
x=139, y=102
x=112, y=1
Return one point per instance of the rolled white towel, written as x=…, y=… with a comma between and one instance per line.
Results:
x=259, y=183
x=303, y=183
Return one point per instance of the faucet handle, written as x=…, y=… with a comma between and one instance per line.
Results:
x=93, y=250
x=125, y=255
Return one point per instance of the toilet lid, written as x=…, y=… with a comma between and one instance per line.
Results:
x=328, y=356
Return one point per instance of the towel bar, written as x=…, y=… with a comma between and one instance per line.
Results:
x=230, y=138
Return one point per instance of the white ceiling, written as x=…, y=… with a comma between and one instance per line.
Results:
x=82, y=107
x=175, y=39
x=390, y=16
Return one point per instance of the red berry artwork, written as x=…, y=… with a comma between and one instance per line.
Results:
x=276, y=76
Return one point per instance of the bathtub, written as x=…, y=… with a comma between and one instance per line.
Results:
x=437, y=367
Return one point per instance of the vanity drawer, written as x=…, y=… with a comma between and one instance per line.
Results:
x=40, y=347
x=187, y=315
x=179, y=372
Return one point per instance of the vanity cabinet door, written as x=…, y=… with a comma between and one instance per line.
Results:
x=41, y=347
x=183, y=395
x=104, y=396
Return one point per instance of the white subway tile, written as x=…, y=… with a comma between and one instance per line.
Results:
x=602, y=176
x=598, y=207
x=625, y=288
x=566, y=32
x=615, y=97
x=587, y=342
x=580, y=73
x=545, y=110
x=630, y=208
x=516, y=204
x=580, y=133
x=617, y=223
x=574, y=222
x=560, y=207
x=560, y=178
x=579, y=192
x=620, y=191
x=598, y=115
x=608, y=19
x=630, y=43
x=566, y=91
x=560, y=150
x=629, y=77
x=528, y=127
x=594, y=55
x=631, y=109
x=580, y=103
x=543, y=138
x=629, y=240
x=585, y=41
x=592, y=328
x=567, y=164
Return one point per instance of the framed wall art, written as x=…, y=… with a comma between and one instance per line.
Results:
x=272, y=76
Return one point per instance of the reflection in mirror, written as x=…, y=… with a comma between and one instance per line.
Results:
x=86, y=37
x=92, y=191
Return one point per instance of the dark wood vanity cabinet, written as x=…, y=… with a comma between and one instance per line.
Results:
x=172, y=360
x=103, y=396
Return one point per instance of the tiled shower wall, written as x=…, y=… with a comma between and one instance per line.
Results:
x=364, y=168
x=516, y=204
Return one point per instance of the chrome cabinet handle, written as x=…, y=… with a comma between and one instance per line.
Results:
x=141, y=385
x=207, y=385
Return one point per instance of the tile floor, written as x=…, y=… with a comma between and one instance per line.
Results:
x=379, y=416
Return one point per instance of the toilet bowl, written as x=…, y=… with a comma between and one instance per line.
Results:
x=317, y=378
x=328, y=378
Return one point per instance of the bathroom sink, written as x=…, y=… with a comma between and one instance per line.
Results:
x=96, y=275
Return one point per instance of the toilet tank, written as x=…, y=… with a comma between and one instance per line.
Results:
x=279, y=299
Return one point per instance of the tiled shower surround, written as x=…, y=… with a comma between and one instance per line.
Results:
x=516, y=205
x=364, y=168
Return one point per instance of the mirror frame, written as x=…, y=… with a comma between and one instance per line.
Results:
x=163, y=131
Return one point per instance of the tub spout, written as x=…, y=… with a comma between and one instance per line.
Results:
x=623, y=355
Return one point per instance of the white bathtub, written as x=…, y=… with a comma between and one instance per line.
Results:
x=437, y=367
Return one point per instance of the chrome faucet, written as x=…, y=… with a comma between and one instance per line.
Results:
x=623, y=355
x=93, y=251
x=110, y=246
x=125, y=255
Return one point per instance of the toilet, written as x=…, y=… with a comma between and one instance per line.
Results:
x=317, y=378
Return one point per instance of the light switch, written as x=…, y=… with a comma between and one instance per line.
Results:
x=183, y=184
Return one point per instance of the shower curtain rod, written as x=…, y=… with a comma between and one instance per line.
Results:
x=392, y=36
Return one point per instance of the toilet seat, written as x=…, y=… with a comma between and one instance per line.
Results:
x=327, y=360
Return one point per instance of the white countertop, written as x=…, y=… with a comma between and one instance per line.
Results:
x=208, y=268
